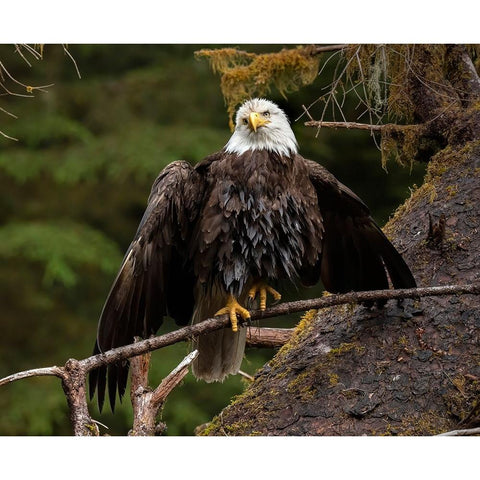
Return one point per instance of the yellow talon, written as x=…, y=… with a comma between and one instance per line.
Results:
x=262, y=289
x=232, y=309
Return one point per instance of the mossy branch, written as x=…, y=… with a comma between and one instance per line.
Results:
x=245, y=74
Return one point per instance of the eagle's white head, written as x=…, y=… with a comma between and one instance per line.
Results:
x=262, y=125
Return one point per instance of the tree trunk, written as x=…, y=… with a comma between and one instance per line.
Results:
x=410, y=368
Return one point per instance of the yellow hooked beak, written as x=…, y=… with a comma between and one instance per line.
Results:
x=255, y=120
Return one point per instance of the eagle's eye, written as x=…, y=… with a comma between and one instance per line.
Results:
x=266, y=114
x=245, y=121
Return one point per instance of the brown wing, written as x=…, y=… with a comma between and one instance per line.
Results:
x=356, y=255
x=155, y=278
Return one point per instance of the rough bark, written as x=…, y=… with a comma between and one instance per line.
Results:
x=73, y=382
x=410, y=368
x=148, y=403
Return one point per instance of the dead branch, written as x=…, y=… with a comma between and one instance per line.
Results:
x=268, y=337
x=318, y=49
x=74, y=385
x=147, y=403
x=246, y=376
x=348, y=125
x=35, y=372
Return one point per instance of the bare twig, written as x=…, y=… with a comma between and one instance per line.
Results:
x=173, y=379
x=8, y=113
x=317, y=49
x=268, y=337
x=36, y=372
x=65, y=49
x=28, y=88
x=348, y=125
x=36, y=52
x=37, y=55
x=246, y=375
x=3, y=134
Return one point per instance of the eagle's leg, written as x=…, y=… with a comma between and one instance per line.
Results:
x=262, y=289
x=232, y=308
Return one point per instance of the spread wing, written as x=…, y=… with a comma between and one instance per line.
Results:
x=356, y=255
x=155, y=278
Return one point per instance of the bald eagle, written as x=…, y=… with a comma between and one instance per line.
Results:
x=219, y=234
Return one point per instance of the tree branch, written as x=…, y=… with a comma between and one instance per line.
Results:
x=318, y=49
x=348, y=125
x=74, y=385
x=74, y=373
x=212, y=324
x=268, y=337
x=147, y=403
x=173, y=379
x=370, y=296
x=35, y=372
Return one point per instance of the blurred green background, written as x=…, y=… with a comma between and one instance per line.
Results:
x=74, y=187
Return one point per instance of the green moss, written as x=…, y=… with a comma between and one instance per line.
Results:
x=425, y=423
x=301, y=330
x=447, y=158
x=305, y=385
x=401, y=143
x=462, y=399
x=378, y=65
x=92, y=428
x=437, y=167
x=298, y=380
x=333, y=379
x=238, y=428
x=209, y=428
x=245, y=75
x=344, y=348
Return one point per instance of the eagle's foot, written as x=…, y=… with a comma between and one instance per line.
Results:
x=232, y=309
x=262, y=289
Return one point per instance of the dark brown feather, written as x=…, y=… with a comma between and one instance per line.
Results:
x=261, y=220
x=154, y=274
x=356, y=254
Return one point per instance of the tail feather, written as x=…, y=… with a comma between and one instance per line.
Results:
x=220, y=353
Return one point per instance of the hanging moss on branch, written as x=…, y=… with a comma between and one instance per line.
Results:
x=388, y=75
x=245, y=75
x=400, y=142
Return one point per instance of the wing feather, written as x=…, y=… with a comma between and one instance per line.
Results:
x=155, y=278
x=356, y=254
